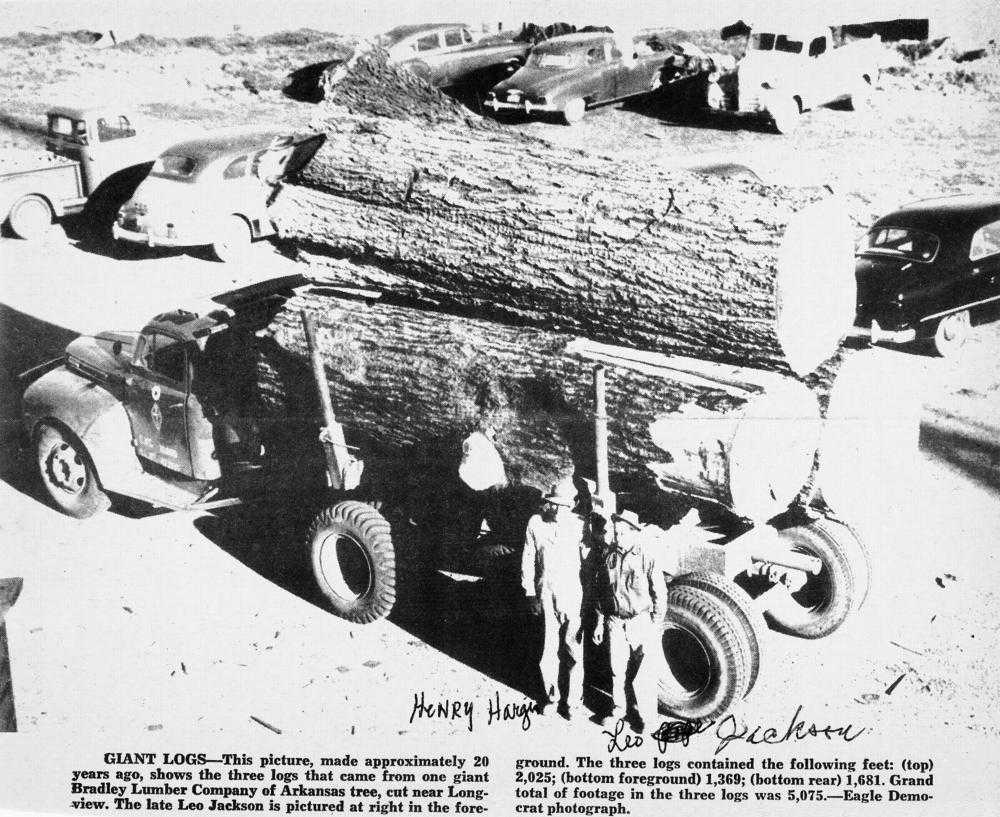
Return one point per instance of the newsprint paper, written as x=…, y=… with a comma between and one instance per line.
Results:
x=681, y=469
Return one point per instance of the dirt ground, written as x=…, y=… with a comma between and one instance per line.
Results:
x=192, y=626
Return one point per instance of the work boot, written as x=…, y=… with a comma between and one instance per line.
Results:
x=612, y=718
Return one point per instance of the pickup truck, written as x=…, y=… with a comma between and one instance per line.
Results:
x=87, y=147
x=788, y=72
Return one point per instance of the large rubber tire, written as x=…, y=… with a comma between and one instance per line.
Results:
x=234, y=243
x=823, y=604
x=68, y=473
x=737, y=599
x=30, y=218
x=573, y=110
x=353, y=560
x=707, y=653
x=951, y=333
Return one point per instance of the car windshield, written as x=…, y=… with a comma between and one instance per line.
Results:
x=171, y=166
x=557, y=59
x=915, y=245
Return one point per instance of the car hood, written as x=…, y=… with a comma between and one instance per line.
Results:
x=538, y=81
x=101, y=357
x=771, y=68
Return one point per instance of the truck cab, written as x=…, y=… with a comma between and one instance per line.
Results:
x=103, y=140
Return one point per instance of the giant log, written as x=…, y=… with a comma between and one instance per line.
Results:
x=411, y=385
x=491, y=223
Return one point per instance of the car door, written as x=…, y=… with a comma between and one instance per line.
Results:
x=984, y=260
x=156, y=394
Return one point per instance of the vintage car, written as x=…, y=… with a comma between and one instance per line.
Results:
x=448, y=55
x=567, y=75
x=788, y=70
x=214, y=191
x=930, y=270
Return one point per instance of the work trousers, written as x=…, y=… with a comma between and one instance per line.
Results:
x=561, y=628
x=634, y=641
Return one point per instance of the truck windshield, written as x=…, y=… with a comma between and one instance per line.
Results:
x=174, y=167
x=915, y=245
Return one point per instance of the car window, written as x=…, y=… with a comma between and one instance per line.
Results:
x=453, y=37
x=164, y=356
x=427, y=43
x=551, y=59
x=172, y=166
x=784, y=43
x=915, y=245
x=762, y=42
x=985, y=241
x=237, y=169
x=817, y=46
x=116, y=128
x=466, y=35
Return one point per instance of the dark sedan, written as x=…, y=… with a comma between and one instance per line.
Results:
x=931, y=270
x=567, y=75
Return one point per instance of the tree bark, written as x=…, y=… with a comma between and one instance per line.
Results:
x=491, y=223
x=411, y=385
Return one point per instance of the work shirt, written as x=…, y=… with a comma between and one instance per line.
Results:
x=628, y=582
x=552, y=561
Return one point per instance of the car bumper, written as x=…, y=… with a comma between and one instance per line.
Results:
x=880, y=335
x=525, y=105
x=149, y=239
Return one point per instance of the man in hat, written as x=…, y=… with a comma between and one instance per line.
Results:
x=551, y=566
x=630, y=596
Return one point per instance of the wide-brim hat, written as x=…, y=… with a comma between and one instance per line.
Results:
x=629, y=518
x=561, y=495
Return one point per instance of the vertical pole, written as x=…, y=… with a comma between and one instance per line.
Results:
x=9, y=591
x=332, y=435
x=601, y=432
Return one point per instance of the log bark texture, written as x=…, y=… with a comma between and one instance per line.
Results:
x=495, y=224
x=411, y=385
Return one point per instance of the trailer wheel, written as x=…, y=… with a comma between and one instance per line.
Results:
x=708, y=656
x=824, y=602
x=354, y=561
x=30, y=218
x=737, y=599
x=68, y=474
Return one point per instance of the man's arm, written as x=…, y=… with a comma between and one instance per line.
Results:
x=529, y=557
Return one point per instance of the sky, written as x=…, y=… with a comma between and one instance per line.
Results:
x=976, y=20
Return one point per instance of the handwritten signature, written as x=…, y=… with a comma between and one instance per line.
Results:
x=728, y=729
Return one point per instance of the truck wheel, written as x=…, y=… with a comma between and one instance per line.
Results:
x=951, y=333
x=234, y=242
x=353, y=561
x=784, y=113
x=30, y=218
x=737, y=599
x=823, y=603
x=68, y=474
x=708, y=656
x=573, y=110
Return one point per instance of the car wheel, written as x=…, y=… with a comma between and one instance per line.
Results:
x=785, y=113
x=68, y=474
x=30, y=218
x=573, y=110
x=353, y=561
x=234, y=242
x=951, y=334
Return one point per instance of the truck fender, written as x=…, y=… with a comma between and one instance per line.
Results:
x=12, y=197
x=108, y=440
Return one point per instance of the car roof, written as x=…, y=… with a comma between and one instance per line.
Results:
x=400, y=33
x=567, y=42
x=225, y=143
x=945, y=213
